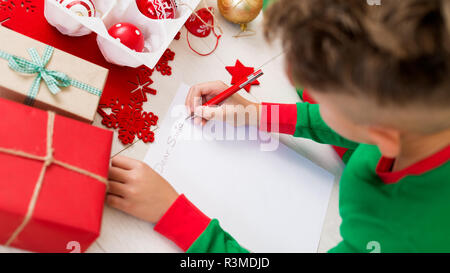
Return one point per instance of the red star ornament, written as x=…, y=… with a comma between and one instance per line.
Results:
x=239, y=71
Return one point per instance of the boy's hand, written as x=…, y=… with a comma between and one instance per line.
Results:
x=137, y=189
x=236, y=110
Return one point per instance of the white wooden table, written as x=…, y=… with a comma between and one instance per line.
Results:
x=124, y=233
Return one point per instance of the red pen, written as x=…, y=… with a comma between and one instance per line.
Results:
x=232, y=90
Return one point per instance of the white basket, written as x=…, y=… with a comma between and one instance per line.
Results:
x=158, y=33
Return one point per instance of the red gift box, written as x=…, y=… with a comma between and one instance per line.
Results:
x=53, y=173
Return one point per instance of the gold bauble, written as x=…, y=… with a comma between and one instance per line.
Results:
x=240, y=12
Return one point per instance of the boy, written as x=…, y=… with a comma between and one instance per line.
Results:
x=381, y=77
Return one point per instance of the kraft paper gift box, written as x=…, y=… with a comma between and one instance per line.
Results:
x=53, y=176
x=67, y=85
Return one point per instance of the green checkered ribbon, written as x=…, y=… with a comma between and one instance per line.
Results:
x=37, y=65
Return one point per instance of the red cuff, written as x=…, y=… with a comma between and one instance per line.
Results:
x=278, y=118
x=183, y=223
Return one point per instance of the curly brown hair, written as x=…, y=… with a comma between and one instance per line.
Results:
x=397, y=53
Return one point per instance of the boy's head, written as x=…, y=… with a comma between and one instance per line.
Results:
x=379, y=72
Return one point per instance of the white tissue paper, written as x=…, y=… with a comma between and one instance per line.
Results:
x=158, y=33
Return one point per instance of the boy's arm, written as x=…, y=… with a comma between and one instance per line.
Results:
x=194, y=232
x=300, y=120
x=138, y=190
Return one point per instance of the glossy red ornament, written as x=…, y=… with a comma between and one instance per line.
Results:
x=201, y=24
x=195, y=26
x=157, y=9
x=129, y=35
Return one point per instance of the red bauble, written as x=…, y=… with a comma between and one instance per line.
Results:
x=157, y=9
x=129, y=35
x=196, y=26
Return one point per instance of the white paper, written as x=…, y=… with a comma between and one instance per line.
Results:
x=270, y=201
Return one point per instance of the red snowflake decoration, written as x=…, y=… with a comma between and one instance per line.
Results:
x=140, y=88
x=178, y=36
x=8, y=7
x=163, y=65
x=145, y=72
x=131, y=121
x=128, y=117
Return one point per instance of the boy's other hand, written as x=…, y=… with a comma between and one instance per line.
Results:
x=137, y=189
x=234, y=110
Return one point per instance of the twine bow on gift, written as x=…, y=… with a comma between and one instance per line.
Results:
x=47, y=160
x=54, y=79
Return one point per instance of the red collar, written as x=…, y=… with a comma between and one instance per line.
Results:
x=385, y=165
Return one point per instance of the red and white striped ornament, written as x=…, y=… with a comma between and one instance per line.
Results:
x=157, y=9
x=85, y=8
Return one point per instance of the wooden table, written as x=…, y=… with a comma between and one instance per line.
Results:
x=124, y=233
